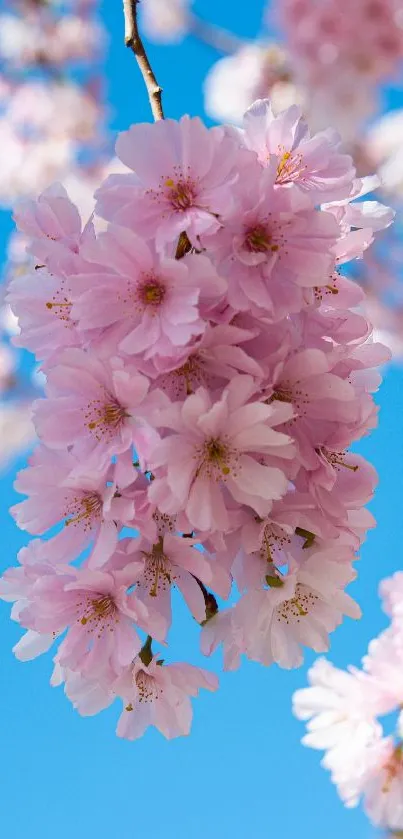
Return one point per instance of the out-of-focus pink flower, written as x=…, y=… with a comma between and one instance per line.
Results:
x=255, y=71
x=32, y=40
x=323, y=43
x=165, y=20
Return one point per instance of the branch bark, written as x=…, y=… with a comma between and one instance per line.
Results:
x=134, y=42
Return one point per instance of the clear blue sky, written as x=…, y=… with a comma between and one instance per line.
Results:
x=242, y=774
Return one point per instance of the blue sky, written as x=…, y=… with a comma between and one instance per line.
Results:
x=242, y=772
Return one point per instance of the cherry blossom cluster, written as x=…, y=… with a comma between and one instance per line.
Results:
x=343, y=708
x=307, y=53
x=206, y=373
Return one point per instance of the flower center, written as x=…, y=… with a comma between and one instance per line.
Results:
x=216, y=459
x=282, y=394
x=105, y=418
x=60, y=304
x=113, y=414
x=181, y=193
x=157, y=571
x=336, y=459
x=186, y=378
x=290, y=167
x=324, y=291
x=291, y=393
x=216, y=450
x=84, y=510
x=151, y=292
x=99, y=613
x=218, y=454
x=298, y=606
x=60, y=308
x=258, y=239
x=147, y=687
x=273, y=538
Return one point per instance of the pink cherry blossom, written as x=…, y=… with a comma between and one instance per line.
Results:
x=173, y=561
x=314, y=164
x=271, y=249
x=223, y=629
x=87, y=695
x=97, y=612
x=212, y=362
x=301, y=608
x=184, y=173
x=16, y=586
x=93, y=406
x=212, y=455
x=51, y=217
x=153, y=303
x=158, y=695
x=46, y=322
x=82, y=503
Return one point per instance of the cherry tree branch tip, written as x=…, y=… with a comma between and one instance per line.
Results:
x=134, y=42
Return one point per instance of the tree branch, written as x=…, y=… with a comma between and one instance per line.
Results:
x=134, y=42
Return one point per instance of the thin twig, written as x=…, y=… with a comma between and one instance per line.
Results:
x=220, y=39
x=133, y=40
